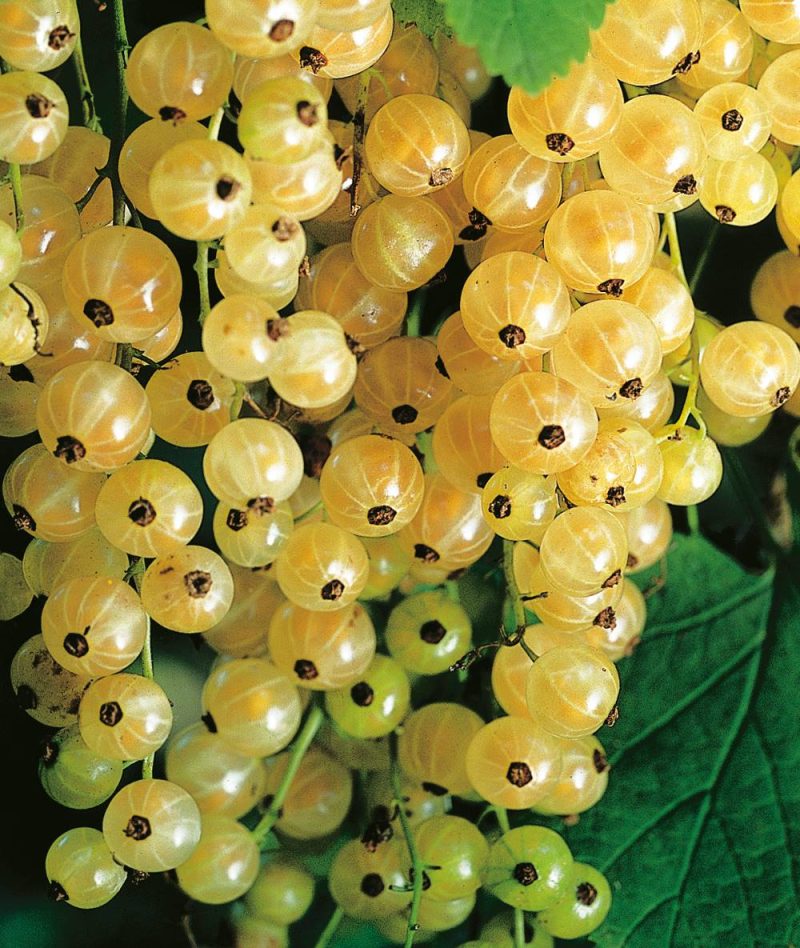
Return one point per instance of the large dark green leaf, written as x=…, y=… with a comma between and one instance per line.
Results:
x=528, y=42
x=699, y=832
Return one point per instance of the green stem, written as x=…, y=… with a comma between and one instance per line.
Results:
x=215, y=123
x=81, y=204
x=704, y=257
x=301, y=745
x=135, y=572
x=693, y=516
x=675, y=248
x=414, y=317
x=15, y=173
x=90, y=117
x=359, y=131
x=516, y=601
x=201, y=269
x=122, y=46
x=690, y=403
x=330, y=929
x=237, y=400
x=417, y=866
x=690, y=408
x=148, y=672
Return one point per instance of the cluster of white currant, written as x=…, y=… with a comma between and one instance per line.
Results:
x=549, y=395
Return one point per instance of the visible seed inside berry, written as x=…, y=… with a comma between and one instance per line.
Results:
x=613, y=579
x=57, y=892
x=141, y=512
x=606, y=618
x=281, y=30
x=483, y=479
x=551, y=436
x=436, y=789
x=313, y=59
x=440, y=177
x=500, y=507
x=404, y=414
x=600, y=761
x=519, y=773
x=381, y=515
x=110, y=713
x=171, y=113
x=22, y=519
x=138, y=828
x=59, y=37
x=559, y=142
x=525, y=873
x=685, y=185
x=307, y=113
x=236, y=520
x=732, y=120
x=69, y=449
x=198, y=583
x=332, y=590
x=512, y=336
x=725, y=214
x=38, y=106
x=615, y=496
x=372, y=885
x=425, y=553
x=200, y=394
x=75, y=644
x=633, y=388
x=792, y=316
x=685, y=64
x=305, y=670
x=362, y=694
x=432, y=632
x=780, y=397
x=99, y=312
x=586, y=893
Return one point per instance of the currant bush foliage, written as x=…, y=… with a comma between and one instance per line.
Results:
x=527, y=42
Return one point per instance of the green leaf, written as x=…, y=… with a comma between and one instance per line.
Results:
x=428, y=15
x=527, y=42
x=699, y=832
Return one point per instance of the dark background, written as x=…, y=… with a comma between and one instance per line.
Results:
x=156, y=913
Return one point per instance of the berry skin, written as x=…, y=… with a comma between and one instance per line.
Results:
x=529, y=868
x=152, y=825
x=81, y=869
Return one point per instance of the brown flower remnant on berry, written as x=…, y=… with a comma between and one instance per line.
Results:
x=141, y=512
x=559, y=142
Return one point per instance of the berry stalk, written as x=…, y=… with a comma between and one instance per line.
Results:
x=518, y=635
x=330, y=929
x=90, y=117
x=417, y=867
x=301, y=745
